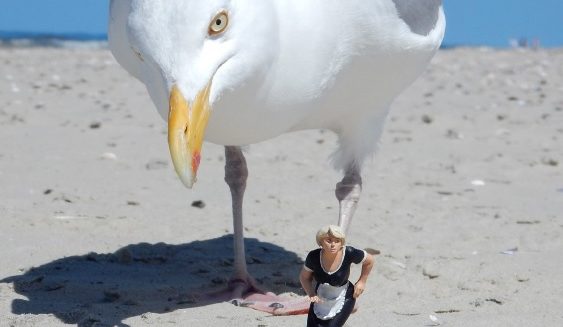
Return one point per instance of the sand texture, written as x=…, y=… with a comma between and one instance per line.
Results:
x=464, y=199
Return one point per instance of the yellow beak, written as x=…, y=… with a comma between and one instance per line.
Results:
x=186, y=129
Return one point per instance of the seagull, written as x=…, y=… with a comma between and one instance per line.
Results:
x=238, y=72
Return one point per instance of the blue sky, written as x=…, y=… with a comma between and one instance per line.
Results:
x=470, y=22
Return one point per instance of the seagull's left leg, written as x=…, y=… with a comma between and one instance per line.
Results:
x=348, y=193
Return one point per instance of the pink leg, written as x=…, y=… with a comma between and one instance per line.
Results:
x=348, y=193
x=236, y=174
x=243, y=289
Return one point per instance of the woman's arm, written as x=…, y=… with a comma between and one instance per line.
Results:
x=366, y=269
x=306, y=279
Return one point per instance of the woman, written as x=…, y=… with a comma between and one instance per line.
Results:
x=333, y=298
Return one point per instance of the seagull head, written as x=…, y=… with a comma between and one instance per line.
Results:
x=188, y=53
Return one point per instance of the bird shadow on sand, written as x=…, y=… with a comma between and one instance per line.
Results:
x=105, y=289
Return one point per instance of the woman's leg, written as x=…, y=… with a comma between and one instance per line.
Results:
x=349, y=303
x=312, y=320
x=342, y=316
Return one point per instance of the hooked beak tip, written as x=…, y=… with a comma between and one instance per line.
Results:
x=186, y=129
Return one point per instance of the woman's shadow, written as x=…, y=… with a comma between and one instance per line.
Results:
x=105, y=289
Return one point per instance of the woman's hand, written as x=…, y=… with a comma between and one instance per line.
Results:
x=366, y=269
x=306, y=279
x=315, y=299
x=359, y=288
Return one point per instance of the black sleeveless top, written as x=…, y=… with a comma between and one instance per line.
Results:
x=340, y=276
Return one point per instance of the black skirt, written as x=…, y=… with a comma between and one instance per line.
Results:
x=340, y=318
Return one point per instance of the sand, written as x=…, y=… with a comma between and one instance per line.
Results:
x=464, y=199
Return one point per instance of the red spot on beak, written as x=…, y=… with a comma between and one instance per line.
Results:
x=196, y=159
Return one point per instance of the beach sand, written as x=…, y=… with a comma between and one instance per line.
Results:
x=464, y=199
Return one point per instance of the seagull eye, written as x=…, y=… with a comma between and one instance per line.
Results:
x=219, y=23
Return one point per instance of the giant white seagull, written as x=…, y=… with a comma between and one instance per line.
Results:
x=237, y=72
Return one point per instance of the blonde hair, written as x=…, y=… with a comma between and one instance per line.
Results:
x=331, y=230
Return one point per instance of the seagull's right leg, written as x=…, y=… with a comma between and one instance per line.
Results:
x=243, y=289
x=241, y=283
x=236, y=174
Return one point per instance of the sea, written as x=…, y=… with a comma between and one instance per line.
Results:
x=67, y=40
x=99, y=41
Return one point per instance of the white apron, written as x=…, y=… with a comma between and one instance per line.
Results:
x=332, y=300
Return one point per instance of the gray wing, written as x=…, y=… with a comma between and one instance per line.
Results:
x=420, y=15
